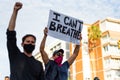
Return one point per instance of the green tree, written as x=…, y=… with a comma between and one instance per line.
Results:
x=118, y=44
x=94, y=34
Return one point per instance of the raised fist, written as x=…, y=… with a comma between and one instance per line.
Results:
x=17, y=6
x=45, y=31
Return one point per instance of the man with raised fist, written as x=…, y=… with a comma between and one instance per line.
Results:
x=23, y=66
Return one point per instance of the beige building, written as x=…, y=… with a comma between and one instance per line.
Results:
x=103, y=60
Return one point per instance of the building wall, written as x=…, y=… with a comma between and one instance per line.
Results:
x=110, y=51
x=80, y=69
x=104, y=58
x=96, y=60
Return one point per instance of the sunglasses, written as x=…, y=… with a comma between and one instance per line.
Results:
x=59, y=54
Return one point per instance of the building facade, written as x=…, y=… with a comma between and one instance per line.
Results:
x=102, y=60
x=110, y=51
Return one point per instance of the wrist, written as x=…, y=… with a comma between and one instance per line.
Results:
x=45, y=36
x=77, y=45
x=15, y=11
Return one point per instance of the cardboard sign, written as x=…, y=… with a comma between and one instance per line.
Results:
x=64, y=27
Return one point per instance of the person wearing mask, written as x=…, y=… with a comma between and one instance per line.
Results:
x=54, y=69
x=23, y=66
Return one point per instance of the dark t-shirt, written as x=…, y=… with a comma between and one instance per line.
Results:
x=55, y=72
x=22, y=67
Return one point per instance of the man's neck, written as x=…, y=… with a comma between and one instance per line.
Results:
x=28, y=54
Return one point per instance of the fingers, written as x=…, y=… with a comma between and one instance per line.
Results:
x=80, y=36
x=45, y=31
x=18, y=5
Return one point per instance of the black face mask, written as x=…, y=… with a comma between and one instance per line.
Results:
x=29, y=48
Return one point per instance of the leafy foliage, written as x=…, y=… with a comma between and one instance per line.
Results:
x=94, y=33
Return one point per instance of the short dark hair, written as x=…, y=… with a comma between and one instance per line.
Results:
x=96, y=78
x=28, y=35
x=6, y=76
x=56, y=51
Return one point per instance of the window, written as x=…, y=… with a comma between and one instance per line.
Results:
x=67, y=46
x=108, y=75
x=59, y=46
x=105, y=48
x=67, y=54
x=117, y=73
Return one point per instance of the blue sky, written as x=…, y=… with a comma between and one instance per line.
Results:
x=33, y=17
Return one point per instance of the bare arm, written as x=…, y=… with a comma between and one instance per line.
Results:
x=75, y=53
x=42, y=47
x=12, y=22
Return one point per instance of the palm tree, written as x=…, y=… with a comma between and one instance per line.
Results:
x=94, y=34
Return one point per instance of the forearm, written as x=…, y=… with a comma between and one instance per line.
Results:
x=42, y=46
x=74, y=55
x=76, y=50
x=42, y=51
x=12, y=22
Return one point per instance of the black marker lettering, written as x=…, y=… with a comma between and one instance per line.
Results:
x=56, y=18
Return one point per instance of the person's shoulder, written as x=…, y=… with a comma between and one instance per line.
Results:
x=66, y=64
x=38, y=61
x=50, y=63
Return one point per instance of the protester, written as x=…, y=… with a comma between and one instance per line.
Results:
x=96, y=78
x=23, y=66
x=54, y=69
x=7, y=78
